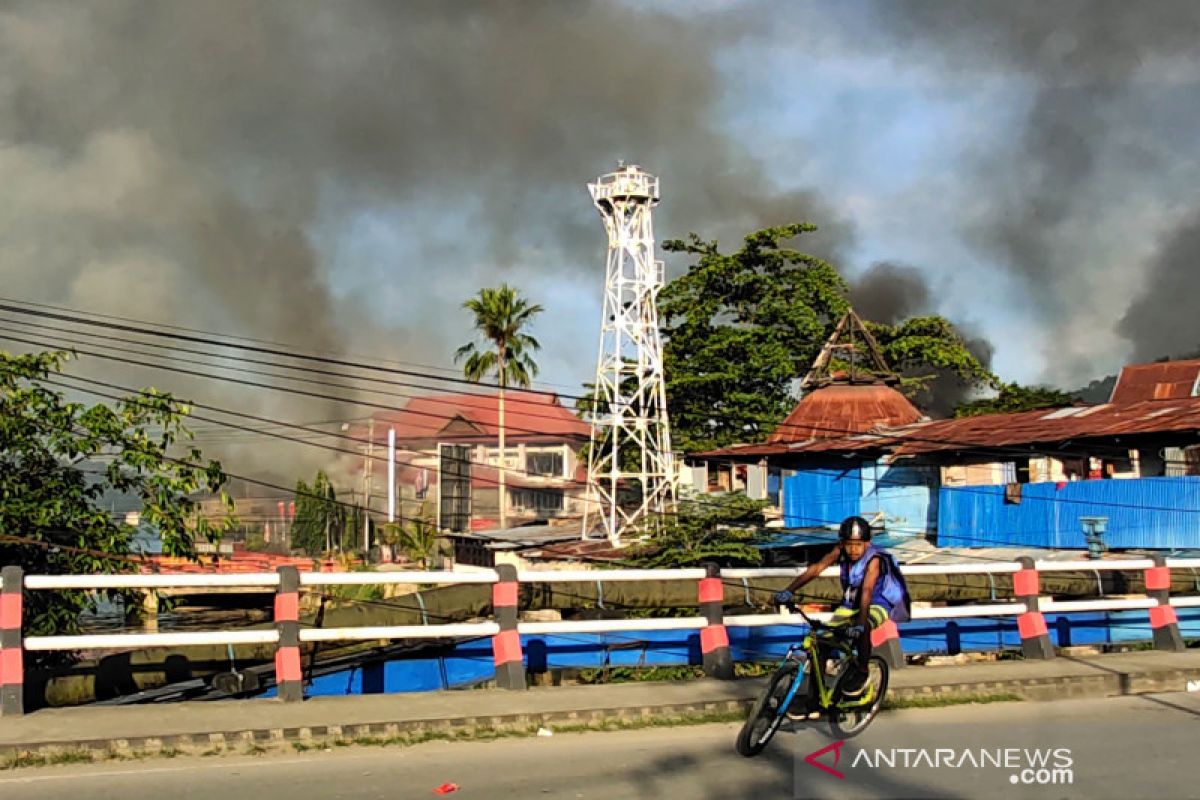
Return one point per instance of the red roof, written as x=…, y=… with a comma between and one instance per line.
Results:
x=475, y=417
x=1166, y=380
x=1046, y=426
x=838, y=409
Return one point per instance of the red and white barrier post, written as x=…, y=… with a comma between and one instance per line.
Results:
x=289, y=677
x=12, y=656
x=1164, y=623
x=506, y=645
x=714, y=638
x=1035, y=638
x=885, y=643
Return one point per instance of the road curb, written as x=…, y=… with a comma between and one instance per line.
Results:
x=412, y=731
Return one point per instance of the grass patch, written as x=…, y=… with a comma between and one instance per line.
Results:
x=49, y=760
x=894, y=703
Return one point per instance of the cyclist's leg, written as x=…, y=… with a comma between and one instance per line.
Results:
x=876, y=616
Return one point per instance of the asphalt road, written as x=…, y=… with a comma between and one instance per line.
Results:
x=1146, y=746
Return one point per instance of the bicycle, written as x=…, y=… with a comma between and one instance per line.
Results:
x=788, y=695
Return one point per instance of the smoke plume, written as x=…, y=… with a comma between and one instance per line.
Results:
x=219, y=165
x=1056, y=199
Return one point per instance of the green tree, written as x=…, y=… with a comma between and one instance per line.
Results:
x=320, y=518
x=739, y=328
x=57, y=460
x=1014, y=397
x=416, y=536
x=501, y=316
x=720, y=528
x=923, y=349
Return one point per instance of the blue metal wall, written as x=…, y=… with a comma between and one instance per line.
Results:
x=822, y=495
x=471, y=662
x=828, y=493
x=907, y=496
x=1156, y=513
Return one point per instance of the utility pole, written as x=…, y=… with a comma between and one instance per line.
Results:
x=367, y=487
x=503, y=460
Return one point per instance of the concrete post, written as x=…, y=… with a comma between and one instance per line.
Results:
x=714, y=638
x=1035, y=638
x=289, y=678
x=1163, y=621
x=506, y=645
x=885, y=642
x=12, y=655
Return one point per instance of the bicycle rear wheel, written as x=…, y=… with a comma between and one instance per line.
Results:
x=851, y=716
x=768, y=710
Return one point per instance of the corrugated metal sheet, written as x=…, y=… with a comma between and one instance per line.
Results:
x=1150, y=513
x=905, y=494
x=1166, y=380
x=836, y=410
x=1045, y=426
x=824, y=495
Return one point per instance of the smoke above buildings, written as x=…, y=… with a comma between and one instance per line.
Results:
x=342, y=176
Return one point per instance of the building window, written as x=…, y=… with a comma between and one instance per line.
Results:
x=548, y=465
x=540, y=500
x=511, y=458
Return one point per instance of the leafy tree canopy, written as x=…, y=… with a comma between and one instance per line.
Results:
x=500, y=318
x=59, y=458
x=321, y=520
x=740, y=327
x=718, y=528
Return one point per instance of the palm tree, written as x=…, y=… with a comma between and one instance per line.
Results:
x=500, y=316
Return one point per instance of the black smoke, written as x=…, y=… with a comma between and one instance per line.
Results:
x=197, y=163
x=1062, y=199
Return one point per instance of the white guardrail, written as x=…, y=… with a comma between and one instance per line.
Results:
x=271, y=581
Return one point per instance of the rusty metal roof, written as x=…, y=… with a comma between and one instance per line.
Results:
x=838, y=409
x=1045, y=426
x=1166, y=380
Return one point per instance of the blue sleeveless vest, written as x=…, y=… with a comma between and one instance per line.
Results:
x=891, y=593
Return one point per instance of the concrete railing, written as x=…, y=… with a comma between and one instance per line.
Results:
x=1027, y=607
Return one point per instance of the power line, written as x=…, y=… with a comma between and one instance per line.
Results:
x=845, y=433
x=569, y=481
x=235, y=338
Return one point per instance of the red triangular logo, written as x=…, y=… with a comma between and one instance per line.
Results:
x=836, y=749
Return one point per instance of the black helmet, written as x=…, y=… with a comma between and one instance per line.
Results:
x=854, y=529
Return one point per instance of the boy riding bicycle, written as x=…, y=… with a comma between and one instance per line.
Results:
x=873, y=591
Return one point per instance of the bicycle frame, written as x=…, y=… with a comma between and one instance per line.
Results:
x=809, y=646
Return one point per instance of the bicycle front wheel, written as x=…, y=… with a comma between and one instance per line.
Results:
x=768, y=711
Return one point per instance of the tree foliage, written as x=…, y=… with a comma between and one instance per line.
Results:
x=739, y=328
x=501, y=315
x=922, y=349
x=57, y=461
x=321, y=521
x=1014, y=397
x=416, y=536
x=719, y=528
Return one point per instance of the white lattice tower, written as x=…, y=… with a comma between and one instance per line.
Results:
x=629, y=405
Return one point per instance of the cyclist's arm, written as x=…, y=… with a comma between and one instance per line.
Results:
x=868, y=591
x=815, y=569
